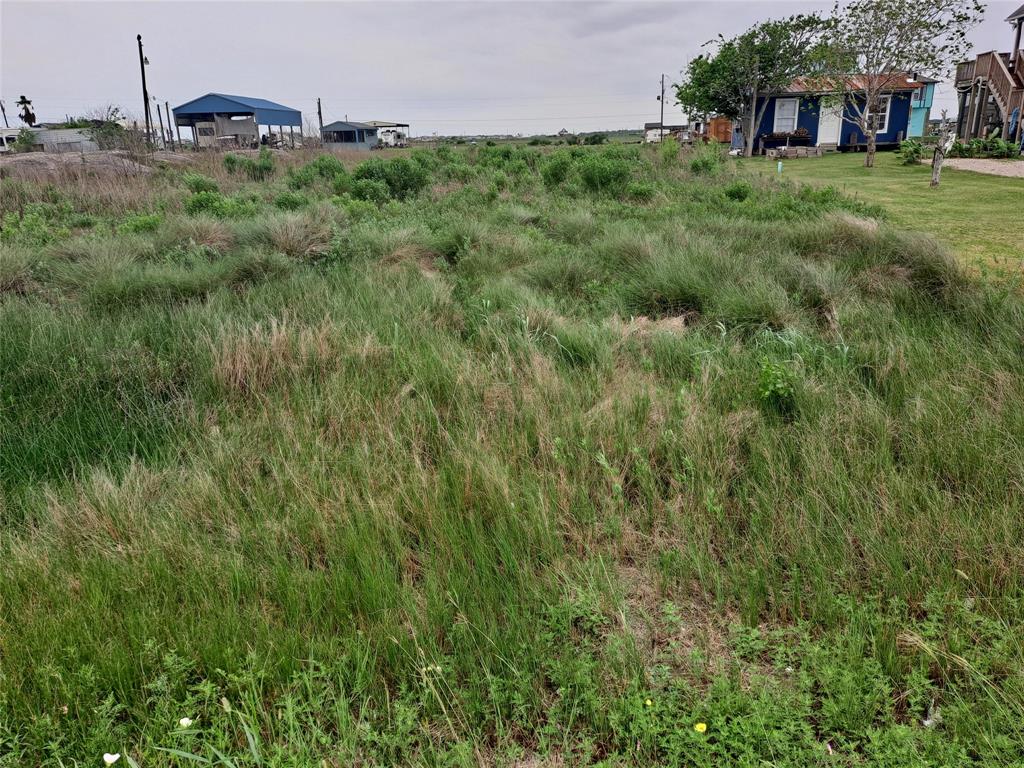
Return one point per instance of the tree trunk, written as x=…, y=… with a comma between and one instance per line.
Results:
x=749, y=150
x=937, y=158
x=869, y=159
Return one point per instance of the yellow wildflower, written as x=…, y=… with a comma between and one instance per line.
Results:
x=700, y=727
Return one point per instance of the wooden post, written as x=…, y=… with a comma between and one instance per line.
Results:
x=291, y=135
x=163, y=136
x=170, y=132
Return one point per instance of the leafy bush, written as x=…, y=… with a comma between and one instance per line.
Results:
x=371, y=190
x=37, y=227
x=290, y=201
x=740, y=190
x=992, y=147
x=301, y=178
x=707, y=159
x=232, y=162
x=556, y=168
x=402, y=177
x=596, y=138
x=327, y=166
x=669, y=150
x=143, y=222
x=601, y=173
x=218, y=206
x=910, y=152
x=25, y=142
x=776, y=387
x=262, y=168
x=642, y=191
x=259, y=169
x=197, y=182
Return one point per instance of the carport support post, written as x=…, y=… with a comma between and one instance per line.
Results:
x=291, y=135
x=195, y=136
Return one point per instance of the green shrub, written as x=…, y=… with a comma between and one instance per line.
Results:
x=641, y=191
x=197, y=182
x=142, y=222
x=290, y=201
x=262, y=168
x=604, y=174
x=327, y=166
x=402, y=177
x=341, y=183
x=301, y=178
x=910, y=152
x=218, y=206
x=232, y=162
x=706, y=159
x=371, y=190
x=739, y=190
x=596, y=138
x=776, y=386
x=25, y=142
x=669, y=150
x=556, y=168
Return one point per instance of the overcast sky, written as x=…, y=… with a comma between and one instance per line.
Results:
x=445, y=67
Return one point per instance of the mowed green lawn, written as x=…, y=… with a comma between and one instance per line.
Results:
x=977, y=215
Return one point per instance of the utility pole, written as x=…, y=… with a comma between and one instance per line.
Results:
x=320, y=116
x=661, y=123
x=145, y=93
x=170, y=131
x=6, y=124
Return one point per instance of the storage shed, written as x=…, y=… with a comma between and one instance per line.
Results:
x=344, y=135
x=218, y=119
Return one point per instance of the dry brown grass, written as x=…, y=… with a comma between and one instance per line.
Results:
x=250, y=361
x=301, y=235
x=201, y=230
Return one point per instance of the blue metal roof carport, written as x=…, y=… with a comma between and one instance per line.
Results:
x=205, y=108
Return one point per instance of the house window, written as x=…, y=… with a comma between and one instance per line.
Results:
x=785, y=115
x=882, y=118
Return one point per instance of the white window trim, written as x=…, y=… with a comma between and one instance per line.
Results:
x=796, y=116
x=888, y=110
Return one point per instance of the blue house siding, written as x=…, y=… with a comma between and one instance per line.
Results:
x=921, y=109
x=850, y=135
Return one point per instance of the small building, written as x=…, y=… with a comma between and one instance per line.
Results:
x=808, y=114
x=921, y=107
x=391, y=134
x=218, y=119
x=349, y=135
x=51, y=139
x=655, y=132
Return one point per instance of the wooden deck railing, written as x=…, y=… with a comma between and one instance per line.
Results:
x=964, y=72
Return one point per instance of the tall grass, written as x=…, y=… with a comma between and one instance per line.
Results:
x=506, y=471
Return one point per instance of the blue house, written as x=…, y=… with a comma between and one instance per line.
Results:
x=803, y=116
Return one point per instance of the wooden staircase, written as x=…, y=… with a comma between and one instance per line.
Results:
x=991, y=71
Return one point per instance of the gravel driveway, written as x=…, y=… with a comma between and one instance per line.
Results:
x=1013, y=168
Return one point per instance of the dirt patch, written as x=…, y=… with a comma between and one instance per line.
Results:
x=47, y=164
x=644, y=326
x=1011, y=168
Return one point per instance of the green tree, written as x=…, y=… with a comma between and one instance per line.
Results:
x=873, y=46
x=731, y=80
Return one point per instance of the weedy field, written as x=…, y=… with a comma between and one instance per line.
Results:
x=501, y=456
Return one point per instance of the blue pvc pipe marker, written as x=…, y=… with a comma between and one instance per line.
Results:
x=780, y=166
